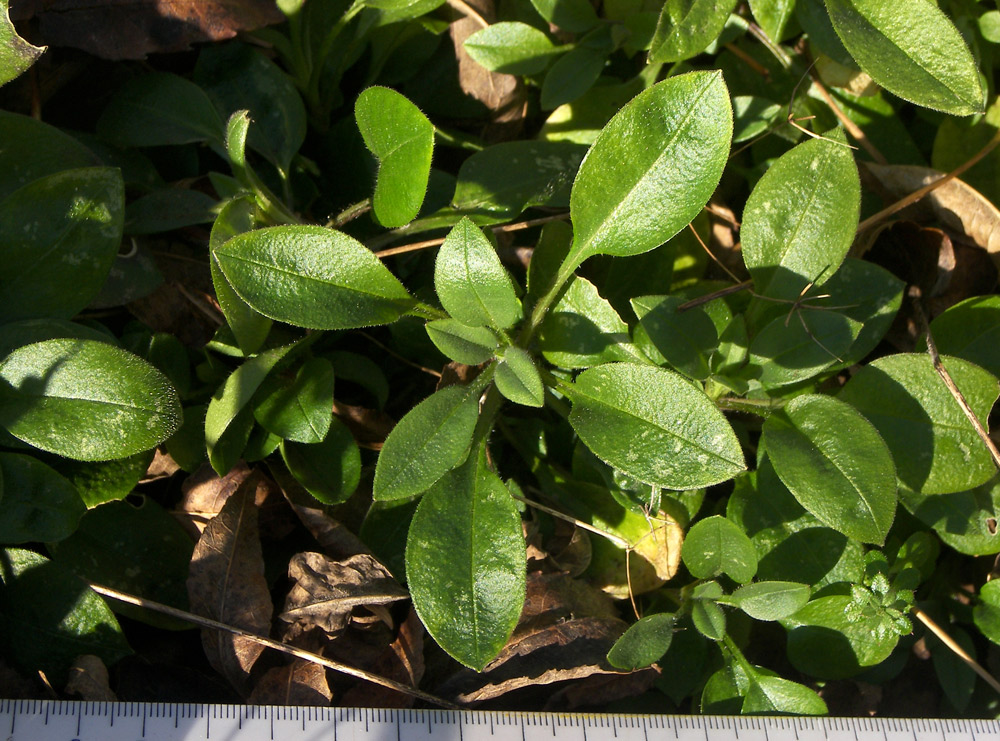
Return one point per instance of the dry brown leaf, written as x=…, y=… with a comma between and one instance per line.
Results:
x=205, y=493
x=226, y=583
x=504, y=95
x=369, y=427
x=600, y=689
x=956, y=204
x=551, y=598
x=402, y=661
x=298, y=683
x=88, y=679
x=326, y=592
x=131, y=29
x=570, y=650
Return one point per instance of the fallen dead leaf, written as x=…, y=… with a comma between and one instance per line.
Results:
x=569, y=650
x=369, y=427
x=162, y=466
x=298, y=683
x=226, y=583
x=327, y=592
x=956, y=204
x=551, y=598
x=131, y=29
x=205, y=493
x=402, y=661
x=88, y=679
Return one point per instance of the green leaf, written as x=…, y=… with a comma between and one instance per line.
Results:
x=507, y=178
x=582, y=330
x=363, y=371
x=249, y=327
x=835, y=464
x=753, y=116
x=685, y=340
x=575, y=72
x=311, y=277
x=329, y=470
x=954, y=675
x=30, y=149
x=800, y=219
x=644, y=643
x=934, y=446
x=97, y=482
x=229, y=418
x=576, y=16
x=139, y=549
x=49, y=617
x=16, y=54
x=37, y=504
x=167, y=209
x=774, y=695
x=715, y=546
x=902, y=43
x=469, y=345
x=772, y=16
x=301, y=410
x=517, y=378
x=59, y=237
x=86, y=400
x=770, y=600
x=237, y=77
x=654, y=425
x=511, y=47
x=706, y=615
x=402, y=139
x=824, y=642
x=970, y=330
x=430, y=440
x=157, y=109
x=466, y=563
x=652, y=169
x=686, y=27
x=791, y=544
x=986, y=614
x=471, y=282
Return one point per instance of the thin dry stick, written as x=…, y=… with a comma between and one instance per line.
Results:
x=852, y=128
x=930, y=187
x=397, y=356
x=579, y=523
x=284, y=648
x=955, y=648
x=948, y=381
x=708, y=252
x=723, y=214
x=201, y=305
x=516, y=226
x=468, y=11
x=748, y=60
x=714, y=295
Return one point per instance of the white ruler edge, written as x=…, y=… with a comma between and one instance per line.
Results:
x=41, y=720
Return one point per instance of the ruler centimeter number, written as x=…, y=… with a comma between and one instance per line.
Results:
x=37, y=720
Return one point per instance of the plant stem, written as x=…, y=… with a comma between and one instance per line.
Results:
x=762, y=408
x=456, y=140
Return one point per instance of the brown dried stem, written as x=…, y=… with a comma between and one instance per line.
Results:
x=948, y=641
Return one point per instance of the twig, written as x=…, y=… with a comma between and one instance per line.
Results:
x=748, y=60
x=514, y=227
x=948, y=641
x=269, y=643
x=620, y=542
x=932, y=350
x=468, y=11
x=350, y=213
x=930, y=187
x=715, y=259
x=723, y=214
x=852, y=128
x=714, y=295
x=201, y=305
x=393, y=353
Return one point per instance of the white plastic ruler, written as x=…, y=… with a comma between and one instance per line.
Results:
x=35, y=720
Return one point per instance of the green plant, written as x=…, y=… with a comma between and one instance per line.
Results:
x=811, y=473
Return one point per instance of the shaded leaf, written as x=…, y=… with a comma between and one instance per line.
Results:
x=899, y=43
x=772, y=16
x=50, y=617
x=312, y=277
x=31, y=149
x=652, y=169
x=935, y=448
x=645, y=642
x=60, y=235
x=654, y=425
x=774, y=695
x=465, y=563
x=89, y=680
x=329, y=470
x=770, y=600
x=326, y=592
x=86, y=400
x=402, y=139
x=965, y=520
x=684, y=340
x=300, y=411
x=835, y=464
x=226, y=583
x=577, y=70
x=571, y=15
x=37, y=503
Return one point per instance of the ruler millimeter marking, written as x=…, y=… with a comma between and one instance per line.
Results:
x=36, y=720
